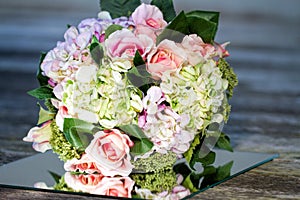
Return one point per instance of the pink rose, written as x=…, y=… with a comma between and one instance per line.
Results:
x=40, y=137
x=82, y=165
x=110, y=151
x=97, y=184
x=148, y=15
x=118, y=187
x=124, y=43
x=148, y=20
x=88, y=183
x=199, y=51
x=167, y=56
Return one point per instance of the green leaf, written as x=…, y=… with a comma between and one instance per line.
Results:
x=176, y=30
x=111, y=29
x=141, y=146
x=43, y=80
x=209, y=171
x=134, y=131
x=55, y=176
x=207, y=15
x=204, y=24
x=224, y=142
x=141, y=82
x=119, y=8
x=207, y=177
x=138, y=59
x=182, y=168
x=141, y=143
x=42, y=93
x=204, y=160
x=96, y=50
x=77, y=132
x=167, y=8
x=224, y=171
x=212, y=175
x=138, y=75
x=203, y=28
x=189, y=153
x=45, y=115
x=187, y=183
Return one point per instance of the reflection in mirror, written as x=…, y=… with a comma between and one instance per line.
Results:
x=217, y=167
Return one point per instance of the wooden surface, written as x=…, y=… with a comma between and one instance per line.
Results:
x=265, y=39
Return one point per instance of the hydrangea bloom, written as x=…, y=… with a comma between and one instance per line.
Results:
x=197, y=91
x=102, y=95
x=162, y=125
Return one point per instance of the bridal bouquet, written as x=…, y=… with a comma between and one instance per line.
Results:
x=135, y=99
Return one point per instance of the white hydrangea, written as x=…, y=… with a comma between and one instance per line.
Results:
x=102, y=95
x=80, y=95
x=197, y=91
x=119, y=100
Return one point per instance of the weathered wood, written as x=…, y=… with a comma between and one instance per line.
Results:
x=265, y=115
x=25, y=194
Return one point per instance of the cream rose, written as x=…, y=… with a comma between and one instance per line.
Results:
x=110, y=151
x=167, y=56
x=199, y=51
x=40, y=136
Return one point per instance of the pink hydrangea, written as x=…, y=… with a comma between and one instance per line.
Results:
x=163, y=126
x=64, y=60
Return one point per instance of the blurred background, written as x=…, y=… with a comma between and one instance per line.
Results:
x=265, y=54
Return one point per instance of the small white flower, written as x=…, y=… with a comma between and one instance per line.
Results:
x=42, y=185
x=87, y=115
x=104, y=15
x=121, y=65
x=136, y=103
x=86, y=74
